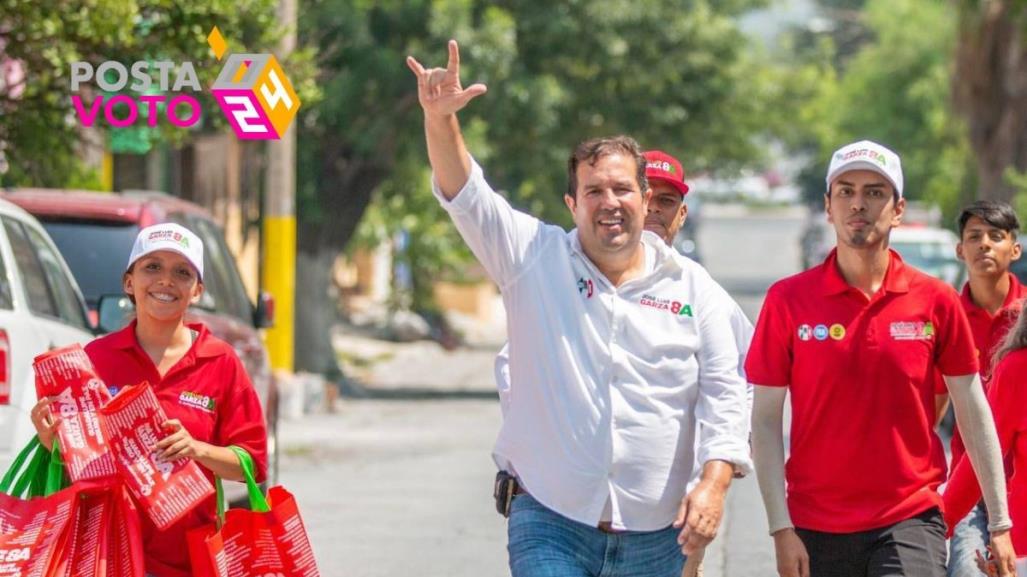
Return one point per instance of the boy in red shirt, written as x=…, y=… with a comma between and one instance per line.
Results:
x=855, y=342
x=991, y=298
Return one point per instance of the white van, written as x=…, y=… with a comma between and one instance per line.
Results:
x=40, y=308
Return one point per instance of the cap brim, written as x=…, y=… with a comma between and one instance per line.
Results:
x=680, y=186
x=861, y=165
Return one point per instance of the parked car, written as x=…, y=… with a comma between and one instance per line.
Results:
x=95, y=232
x=1019, y=268
x=930, y=249
x=40, y=308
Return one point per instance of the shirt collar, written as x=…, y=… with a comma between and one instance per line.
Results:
x=1015, y=290
x=896, y=279
x=203, y=347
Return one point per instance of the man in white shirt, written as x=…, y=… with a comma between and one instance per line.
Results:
x=666, y=215
x=619, y=348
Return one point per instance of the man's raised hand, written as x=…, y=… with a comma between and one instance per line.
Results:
x=439, y=90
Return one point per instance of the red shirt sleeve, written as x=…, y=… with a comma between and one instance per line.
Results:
x=1007, y=397
x=769, y=360
x=954, y=353
x=241, y=421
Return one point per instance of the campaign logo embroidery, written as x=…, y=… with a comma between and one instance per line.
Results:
x=675, y=307
x=805, y=332
x=201, y=402
x=912, y=330
x=586, y=287
x=820, y=332
x=837, y=332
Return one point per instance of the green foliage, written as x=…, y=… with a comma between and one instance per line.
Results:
x=46, y=36
x=1019, y=180
x=895, y=90
x=404, y=204
x=677, y=76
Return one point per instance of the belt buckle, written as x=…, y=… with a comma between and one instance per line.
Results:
x=607, y=527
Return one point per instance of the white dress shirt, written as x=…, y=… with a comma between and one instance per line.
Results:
x=608, y=383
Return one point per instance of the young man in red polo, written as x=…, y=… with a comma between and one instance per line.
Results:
x=991, y=298
x=855, y=342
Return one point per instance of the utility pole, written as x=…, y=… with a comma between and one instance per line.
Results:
x=279, y=226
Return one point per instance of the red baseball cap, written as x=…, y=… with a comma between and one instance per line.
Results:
x=661, y=166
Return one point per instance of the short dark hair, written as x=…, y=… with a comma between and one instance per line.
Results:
x=592, y=150
x=998, y=214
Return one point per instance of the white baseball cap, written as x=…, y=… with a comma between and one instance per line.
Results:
x=168, y=236
x=866, y=155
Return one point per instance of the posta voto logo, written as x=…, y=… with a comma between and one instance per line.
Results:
x=252, y=90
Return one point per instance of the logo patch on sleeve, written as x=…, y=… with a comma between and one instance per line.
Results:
x=201, y=402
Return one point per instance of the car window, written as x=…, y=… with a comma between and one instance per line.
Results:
x=69, y=307
x=223, y=289
x=37, y=292
x=96, y=252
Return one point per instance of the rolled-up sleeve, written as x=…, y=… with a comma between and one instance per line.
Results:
x=723, y=408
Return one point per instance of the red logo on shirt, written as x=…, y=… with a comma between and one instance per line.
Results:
x=675, y=307
x=196, y=401
x=912, y=331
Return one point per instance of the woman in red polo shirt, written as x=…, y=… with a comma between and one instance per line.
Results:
x=183, y=362
x=1007, y=395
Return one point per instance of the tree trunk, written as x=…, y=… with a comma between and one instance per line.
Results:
x=990, y=91
x=316, y=313
x=345, y=184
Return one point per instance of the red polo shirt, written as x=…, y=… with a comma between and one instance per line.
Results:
x=209, y=391
x=988, y=331
x=863, y=449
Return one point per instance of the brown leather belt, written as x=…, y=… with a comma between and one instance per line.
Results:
x=604, y=526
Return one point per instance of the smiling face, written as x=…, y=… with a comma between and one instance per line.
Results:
x=667, y=211
x=863, y=209
x=163, y=284
x=609, y=207
x=987, y=249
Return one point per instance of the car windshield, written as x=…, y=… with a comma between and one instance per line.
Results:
x=937, y=259
x=95, y=251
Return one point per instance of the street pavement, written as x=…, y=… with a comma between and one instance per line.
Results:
x=398, y=480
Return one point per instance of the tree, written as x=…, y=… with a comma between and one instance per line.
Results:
x=893, y=90
x=674, y=75
x=46, y=36
x=990, y=89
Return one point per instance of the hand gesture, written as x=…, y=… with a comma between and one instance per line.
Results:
x=179, y=444
x=792, y=557
x=699, y=516
x=439, y=90
x=45, y=421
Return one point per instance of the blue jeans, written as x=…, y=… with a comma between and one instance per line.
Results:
x=543, y=543
x=970, y=535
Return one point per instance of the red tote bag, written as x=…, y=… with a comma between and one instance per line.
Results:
x=164, y=491
x=268, y=539
x=34, y=532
